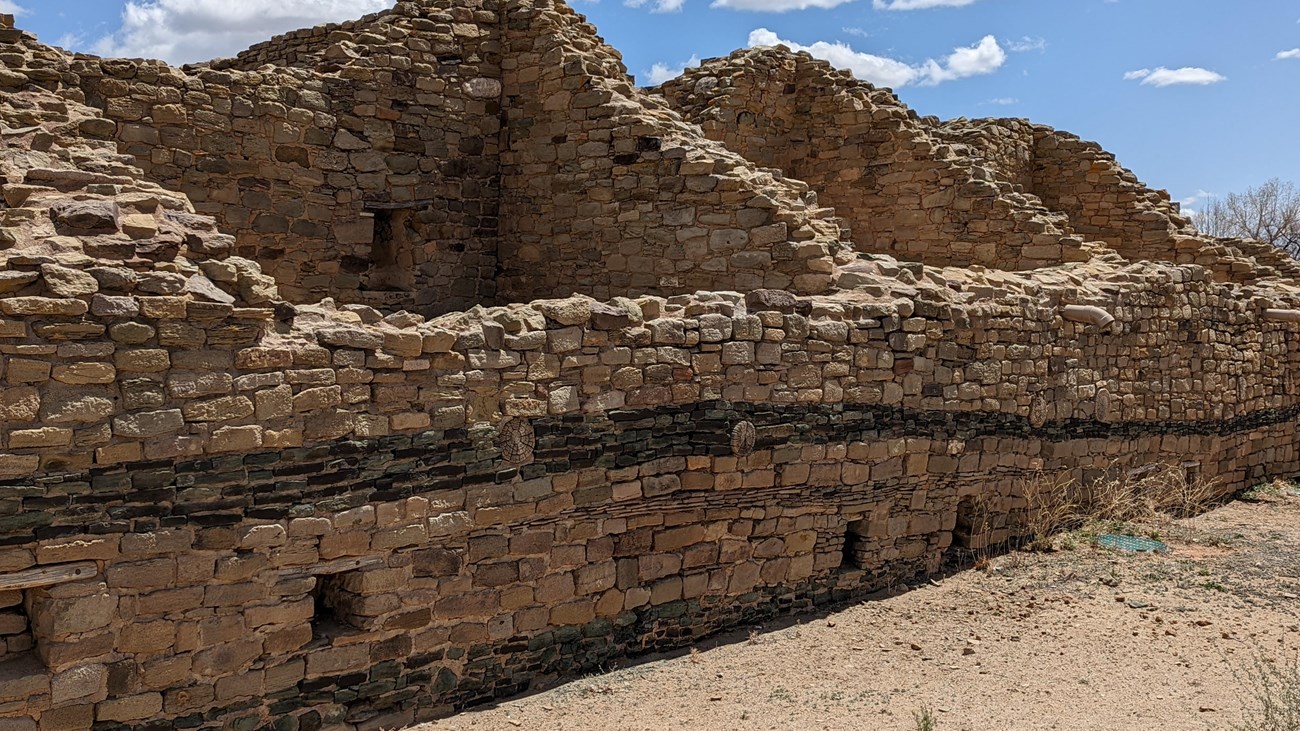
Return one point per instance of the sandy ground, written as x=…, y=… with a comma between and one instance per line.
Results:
x=1075, y=639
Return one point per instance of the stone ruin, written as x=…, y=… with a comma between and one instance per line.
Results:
x=395, y=366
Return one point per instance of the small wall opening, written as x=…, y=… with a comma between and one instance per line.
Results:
x=854, y=545
x=383, y=251
x=16, y=637
x=978, y=528
x=333, y=606
x=391, y=263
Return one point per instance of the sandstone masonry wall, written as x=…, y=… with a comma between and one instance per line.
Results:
x=1105, y=201
x=901, y=189
x=221, y=510
x=608, y=193
x=458, y=561
x=375, y=183
x=371, y=169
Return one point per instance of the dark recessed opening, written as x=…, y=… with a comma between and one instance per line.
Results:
x=15, y=627
x=973, y=524
x=333, y=606
x=383, y=251
x=981, y=532
x=851, y=557
x=390, y=263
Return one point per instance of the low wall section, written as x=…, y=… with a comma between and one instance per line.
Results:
x=666, y=468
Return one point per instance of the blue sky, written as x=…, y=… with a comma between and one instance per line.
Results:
x=1195, y=96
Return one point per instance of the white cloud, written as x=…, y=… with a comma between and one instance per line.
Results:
x=70, y=41
x=660, y=6
x=876, y=69
x=10, y=7
x=1004, y=101
x=1027, y=44
x=1170, y=77
x=1193, y=205
x=1293, y=53
x=185, y=31
x=918, y=4
x=984, y=57
x=661, y=72
x=1196, y=198
x=776, y=6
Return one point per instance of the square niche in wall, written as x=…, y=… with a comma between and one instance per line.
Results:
x=333, y=614
x=390, y=266
x=15, y=627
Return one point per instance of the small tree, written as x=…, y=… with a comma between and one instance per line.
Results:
x=1269, y=213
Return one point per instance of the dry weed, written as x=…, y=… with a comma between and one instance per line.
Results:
x=1051, y=505
x=1149, y=493
x=1149, y=498
x=1274, y=688
x=976, y=524
x=925, y=719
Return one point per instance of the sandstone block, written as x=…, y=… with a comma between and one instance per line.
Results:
x=196, y=384
x=350, y=337
x=66, y=282
x=85, y=216
x=236, y=438
x=148, y=423
x=44, y=437
x=85, y=373
x=21, y=306
x=315, y=399
x=22, y=370
x=274, y=403
x=571, y=311
x=61, y=407
x=13, y=281
x=139, y=225
x=78, y=549
x=259, y=358
x=404, y=343
x=164, y=308
x=131, y=708
x=59, y=618
x=225, y=408
x=144, y=360
x=68, y=718
x=117, y=453
x=87, y=681
x=131, y=333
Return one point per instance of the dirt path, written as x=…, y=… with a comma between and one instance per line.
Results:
x=1075, y=640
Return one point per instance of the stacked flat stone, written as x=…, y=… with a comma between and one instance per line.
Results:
x=633, y=389
x=900, y=187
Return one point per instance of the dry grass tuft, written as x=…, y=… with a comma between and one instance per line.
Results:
x=925, y=719
x=1148, y=493
x=1274, y=688
x=1052, y=506
x=1150, y=498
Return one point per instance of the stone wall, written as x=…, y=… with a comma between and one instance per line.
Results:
x=375, y=182
x=1106, y=201
x=902, y=190
x=221, y=510
x=607, y=193
x=394, y=569
x=369, y=166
